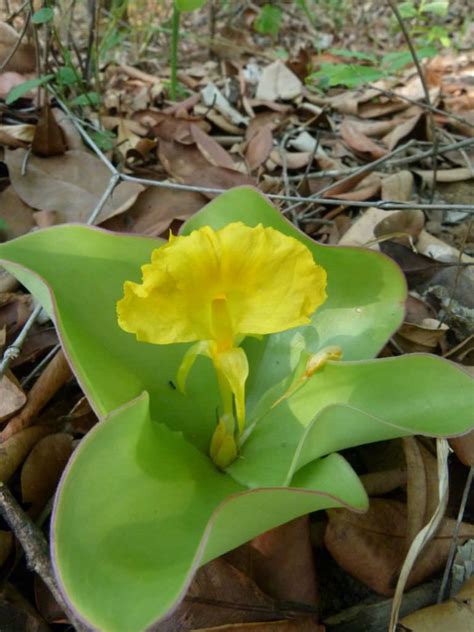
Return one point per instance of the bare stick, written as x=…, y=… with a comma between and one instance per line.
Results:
x=36, y=549
x=421, y=74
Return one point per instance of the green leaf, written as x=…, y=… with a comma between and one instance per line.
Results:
x=354, y=403
x=407, y=10
x=67, y=76
x=140, y=509
x=398, y=59
x=353, y=54
x=189, y=5
x=440, y=8
x=349, y=75
x=87, y=99
x=269, y=20
x=19, y=91
x=46, y=14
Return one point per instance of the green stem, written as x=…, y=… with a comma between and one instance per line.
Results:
x=174, y=52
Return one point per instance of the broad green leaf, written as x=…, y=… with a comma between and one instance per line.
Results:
x=407, y=10
x=354, y=403
x=353, y=54
x=438, y=8
x=19, y=91
x=349, y=75
x=140, y=509
x=189, y=5
x=366, y=296
x=46, y=14
x=398, y=59
x=269, y=20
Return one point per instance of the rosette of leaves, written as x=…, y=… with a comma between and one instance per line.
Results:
x=141, y=506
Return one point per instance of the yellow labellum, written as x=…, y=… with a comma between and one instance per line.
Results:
x=216, y=287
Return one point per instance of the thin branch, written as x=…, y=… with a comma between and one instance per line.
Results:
x=421, y=74
x=36, y=549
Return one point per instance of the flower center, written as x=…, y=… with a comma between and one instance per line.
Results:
x=221, y=323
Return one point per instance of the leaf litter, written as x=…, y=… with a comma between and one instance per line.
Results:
x=248, y=117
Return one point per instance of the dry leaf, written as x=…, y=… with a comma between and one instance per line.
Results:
x=17, y=217
x=291, y=159
x=457, y=614
x=24, y=59
x=259, y=147
x=188, y=165
x=402, y=226
x=17, y=614
x=155, y=210
x=464, y=447
x=360, y=144
x=43, y=468
x=71, y=185
x=50, y=381
x=282, y=562
x=212, y=97
x=362, y=230
x=8, y=81
x=49, y=137
x=302, y=624
x=415, y=127
x=398, y=187
x=445, y=175
x=278, y=82
x=14, y=451
x=16, y=135
x=210, y=149
x=12, y=396
x=370, y=546
x=6, y=545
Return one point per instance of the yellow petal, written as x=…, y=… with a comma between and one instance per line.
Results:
x=200, y=348
x=267, y=281
x=235, y=368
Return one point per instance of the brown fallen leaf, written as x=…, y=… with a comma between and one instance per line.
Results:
x=293, y=625
x=464, y=448
x=370, y=546
x=457, y=614
x=278, y=82
x=379, y=483
x=188, y=165
x=361, y=232
x=14, y=451
x=42, y=470
x=291, y=159
x=282, y=562
x=155, y=210
x=415, y=127
x=50, y=381
x=71, y=184
x=360, y=144
x=365, y=190
x=259, y=147
x=347, y=186
x=403, y=226
x=170, y=126
x=445, y=175
x=210, y=149
x=12, y=396
x=16, y=135
x=16, y=215
x=398, y=187
x=15, y=310
x=24, y=59
x=49, y=137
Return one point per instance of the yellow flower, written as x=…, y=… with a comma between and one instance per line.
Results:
x=216, y=287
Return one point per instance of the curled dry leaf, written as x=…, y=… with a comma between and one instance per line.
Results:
x=71, y=184
x=370, y=546
x=43, y=468
x=49, y=137
x=423, y=338
x=282, y=562
x=259, y=147
x=12, y=396
x=214, y=153
x=360, y=144
x=212, y=97
x=17, y=135
x=155, y=210
x=50, y=381
x=17, y=216
x=14, y=451
x=361, y=232
x=415, y=127
x=291, y=159
x=445, y=175
x=278, y=82
x=24, y=59
x=402, y=226
x=15, y=309
x=456, y=614
x=464, y=448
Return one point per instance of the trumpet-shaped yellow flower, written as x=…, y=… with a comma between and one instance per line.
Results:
x=214, y=288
